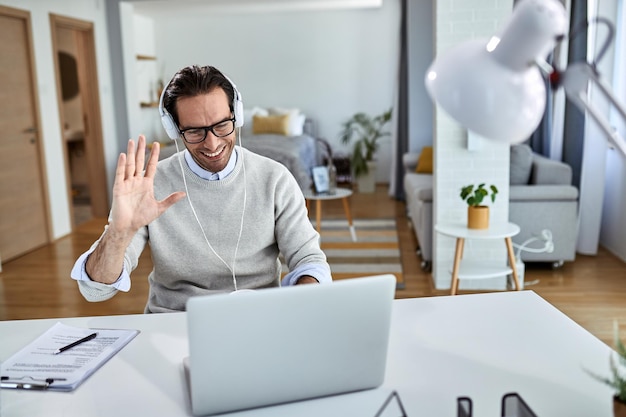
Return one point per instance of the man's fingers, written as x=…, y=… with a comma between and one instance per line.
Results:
x=130, y=159
x=172, y=199
x=153, y=160
x=121, y=168
x=141, y=155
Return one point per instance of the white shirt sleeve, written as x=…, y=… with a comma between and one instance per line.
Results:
x=317, y=271
x=79, y=273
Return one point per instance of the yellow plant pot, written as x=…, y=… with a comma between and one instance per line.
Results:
x=478, y=217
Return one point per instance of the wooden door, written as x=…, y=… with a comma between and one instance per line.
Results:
x=83, y=32
x=23, y=202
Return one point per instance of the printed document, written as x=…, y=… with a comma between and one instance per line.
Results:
x=36, y=366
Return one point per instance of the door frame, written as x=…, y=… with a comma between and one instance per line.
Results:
x=25, y=16
x=88, y=87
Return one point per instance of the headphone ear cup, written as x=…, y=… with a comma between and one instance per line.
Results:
x=168, y=124
x=167, y=120
x=238, y=106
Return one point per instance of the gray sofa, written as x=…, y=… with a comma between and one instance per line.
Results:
x=541, y=197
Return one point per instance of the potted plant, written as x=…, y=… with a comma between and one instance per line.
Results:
x=617, y=380
x=477, y=213
x=364, y=131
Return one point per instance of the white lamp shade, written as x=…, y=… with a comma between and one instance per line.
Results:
x=486, y=97
x=493, y=87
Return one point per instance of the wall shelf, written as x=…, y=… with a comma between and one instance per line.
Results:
x=146, y=57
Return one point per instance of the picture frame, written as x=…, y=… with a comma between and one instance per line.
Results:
x=321, y=181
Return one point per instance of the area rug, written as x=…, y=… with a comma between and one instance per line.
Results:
x=375, y=252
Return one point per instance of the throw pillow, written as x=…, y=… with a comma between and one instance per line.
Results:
x=270, y=124
x=425, y=161
x=296, y=119
x=248, y=114
x=296, y=124
x=521, y=164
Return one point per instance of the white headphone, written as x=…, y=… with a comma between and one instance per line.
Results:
x=170, y=125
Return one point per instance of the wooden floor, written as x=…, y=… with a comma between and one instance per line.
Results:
x=591, y=290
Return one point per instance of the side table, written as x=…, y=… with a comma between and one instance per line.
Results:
x=340, y=193
x=474, y=270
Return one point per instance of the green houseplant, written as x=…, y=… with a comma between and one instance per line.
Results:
x=365, y=131
x=617, y=380
x=474, y=195
x=477, y=213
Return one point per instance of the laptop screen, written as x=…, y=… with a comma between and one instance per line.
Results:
x=286, y=344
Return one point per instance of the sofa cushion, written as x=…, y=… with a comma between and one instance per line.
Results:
x=419, y=181
x=425, y=161
x=548, y=171
x=521, y=164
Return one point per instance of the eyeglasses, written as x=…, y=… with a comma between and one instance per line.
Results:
x=219, y=129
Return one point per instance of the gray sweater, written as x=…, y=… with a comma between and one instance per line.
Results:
x=275, y=221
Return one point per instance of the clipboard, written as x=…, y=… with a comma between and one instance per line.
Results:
x=39, y=365
x=27, y=383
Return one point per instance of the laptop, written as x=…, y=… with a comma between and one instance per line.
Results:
x=279, y=345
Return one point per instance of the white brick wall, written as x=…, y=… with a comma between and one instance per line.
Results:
x=454, y=165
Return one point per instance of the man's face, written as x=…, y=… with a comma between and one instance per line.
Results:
x=208, y=109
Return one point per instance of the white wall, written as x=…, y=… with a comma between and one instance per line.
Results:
x=50, y=135
x=329, y=63
x=454, y=165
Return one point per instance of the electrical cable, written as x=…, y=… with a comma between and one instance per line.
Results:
x=546, y=236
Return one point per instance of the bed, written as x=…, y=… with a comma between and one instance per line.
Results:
x=286, y=136
x=298, y=153
x=292, y=143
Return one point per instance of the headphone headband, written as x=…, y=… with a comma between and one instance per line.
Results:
x=170, y=125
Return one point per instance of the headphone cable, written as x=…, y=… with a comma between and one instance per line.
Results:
x=193, y=210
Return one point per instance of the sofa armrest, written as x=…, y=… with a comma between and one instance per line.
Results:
x=547, y=171
x=425, y=194
x=409, y=161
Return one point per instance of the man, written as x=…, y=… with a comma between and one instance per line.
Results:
x=223, y=233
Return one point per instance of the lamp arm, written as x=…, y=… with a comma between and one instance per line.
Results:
x=575, y=80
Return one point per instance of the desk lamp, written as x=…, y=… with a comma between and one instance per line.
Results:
x=496, y=88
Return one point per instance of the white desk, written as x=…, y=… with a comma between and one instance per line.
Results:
x=480, y=345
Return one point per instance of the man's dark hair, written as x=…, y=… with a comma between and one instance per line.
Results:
x=192, y=81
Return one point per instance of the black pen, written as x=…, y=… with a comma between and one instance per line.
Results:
x=76, y=343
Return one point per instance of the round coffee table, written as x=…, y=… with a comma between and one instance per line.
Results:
x=339, y=193
x=480, y=269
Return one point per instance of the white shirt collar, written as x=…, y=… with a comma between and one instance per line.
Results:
x=208, y=175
